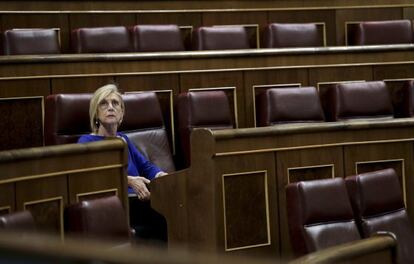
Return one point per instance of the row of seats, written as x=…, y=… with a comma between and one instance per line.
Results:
x=324, y=213
x=154, y=38
x=67, y=116
x=101, y=218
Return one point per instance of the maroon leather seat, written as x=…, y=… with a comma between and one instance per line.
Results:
x=381, y=32
x=220, y=38
x=320, y=215
x=151, y=38
x=286, y=105
x=378, y=205
x=21, y=221
x=101, y=40
x=102, y=218
x=202, y=109
x=67, y=118
x=278, y=35
x=358, y=100
x=31, y=41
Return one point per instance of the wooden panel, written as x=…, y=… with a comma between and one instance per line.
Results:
x=96, y=194
x=24, y=87
x=312, y=161
x=308, y=16
x=101, y=20
x=180, y=19
x=408, y=13
x=362, y=14
x=246, y=224
x=337, y=74
x=246, y=205
x=7, y=194
x=79, y=85
x=45, y=198
x=21, y=125
x=219, y=79
x=234, y=18
x=267, y=77
x=60, y=21
x=374, y=156
x=98, y=181
x=393, y=71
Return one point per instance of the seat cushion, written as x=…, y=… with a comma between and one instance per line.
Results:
x=277, y=35
x=150, y=38
x=31, y=41
x=220, y=38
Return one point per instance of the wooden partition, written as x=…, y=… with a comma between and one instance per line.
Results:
x=232, y=198
x=26, y=80
x=44, y=180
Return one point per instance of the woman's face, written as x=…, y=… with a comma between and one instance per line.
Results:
x=110, y=110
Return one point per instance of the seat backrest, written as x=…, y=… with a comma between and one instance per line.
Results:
x=151, y=38
x=220, y=38
x=381, y=32
x=202, y=109
x=286, y=105
x=31, y=41
x=21, y=221
x=278, y=35
x=319, y=214
x=101, y=40
x=378, y=205
x=358, y=100
x=403, y=100
x=102, y=218
x=67, y=118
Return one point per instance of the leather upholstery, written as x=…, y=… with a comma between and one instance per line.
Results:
x=358, y=100
x=151, y=38
x=320, y=215
x=403, y=100
x=378, y=205
x=284, y=105
x=17, y=221
x=203, y=109
x=277, y=35
x=31, y=41
x=102, y=218
x=220, y=38
x=101, y=40
x=67, y=118
x=382, y=32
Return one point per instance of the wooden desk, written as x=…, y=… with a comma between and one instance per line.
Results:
x=232, y=198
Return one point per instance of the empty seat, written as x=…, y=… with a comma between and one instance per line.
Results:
x=381, y=32
x=403, y=100
x=202, y=109
x=21, y=221
x=101, y=40
x=278, y=35
x=102, y=218
x=320, y=215
x=31, y=41
x=358, y=100
x=148, y=38
x=67, y=118
x=378, y=205
x=220, y=38
x=285, y=105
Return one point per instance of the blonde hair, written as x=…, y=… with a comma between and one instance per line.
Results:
x=97, y=97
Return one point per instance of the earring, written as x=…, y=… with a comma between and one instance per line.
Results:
x=97, y=123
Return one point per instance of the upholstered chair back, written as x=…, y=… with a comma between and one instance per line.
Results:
x=152, y=38
x=286, y=105
x=320, y=215
x=287, y=35
x=21, y=221
x=31, y=41
x=378, y=204
x=101, y=40
x=220, y=38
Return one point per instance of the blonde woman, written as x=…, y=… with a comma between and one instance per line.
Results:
x=106, y=112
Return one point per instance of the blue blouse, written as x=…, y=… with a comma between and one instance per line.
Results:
x=138, y=165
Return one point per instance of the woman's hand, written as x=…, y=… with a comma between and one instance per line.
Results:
x=139, y=185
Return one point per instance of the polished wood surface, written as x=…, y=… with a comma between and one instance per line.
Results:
x=235, y=188
x=45, y=179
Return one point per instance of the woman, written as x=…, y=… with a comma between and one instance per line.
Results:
x=106, y=111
